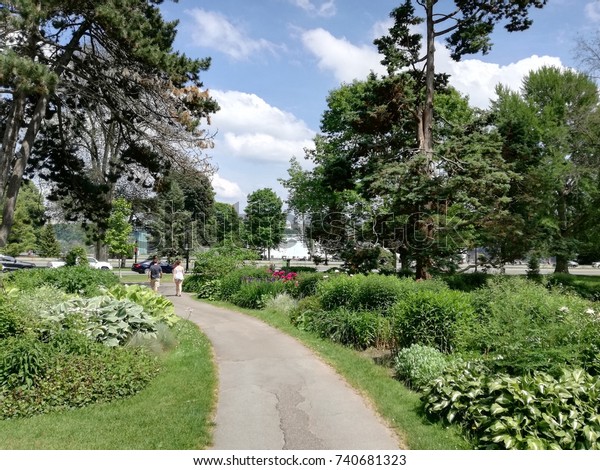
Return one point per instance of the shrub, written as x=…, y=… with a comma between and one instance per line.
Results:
x=77, y=257
x=281, y=303
x=192, y=283
x=76, y=380
x=210, y=290
x=253, y=293
x=418, y=365
x=466, y=282
x=80, y=280
x=530, y=412
x=23, y=360
x=154, y=304
x=220, y=261
x=305, y=284
x=338, y=291
x=429, y=317
x=586, y=288
x=521, y=327
x=307, y=306
x=232, y=282
x=106, y=320
x=370, y=292
x=357, y=329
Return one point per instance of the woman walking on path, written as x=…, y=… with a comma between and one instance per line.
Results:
x=178, y=277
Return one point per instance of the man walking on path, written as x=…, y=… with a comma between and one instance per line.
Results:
x=155, y=274
x=275, y=394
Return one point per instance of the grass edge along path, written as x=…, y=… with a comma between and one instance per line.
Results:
x=175, y=411
x=394, y=402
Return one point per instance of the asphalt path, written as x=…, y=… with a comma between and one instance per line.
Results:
x=274, y=393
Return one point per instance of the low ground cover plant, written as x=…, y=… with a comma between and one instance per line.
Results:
x=418, y=365
x=81, y=280
x=61, y=350
x=536, y=411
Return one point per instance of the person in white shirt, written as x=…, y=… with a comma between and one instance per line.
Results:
x=178, y=272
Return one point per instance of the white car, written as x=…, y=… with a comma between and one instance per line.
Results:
x=93, y=263
x=596, y=264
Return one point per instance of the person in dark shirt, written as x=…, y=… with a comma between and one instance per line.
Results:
x=155, y=274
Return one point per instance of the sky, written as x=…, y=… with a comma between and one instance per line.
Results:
x=274, y=62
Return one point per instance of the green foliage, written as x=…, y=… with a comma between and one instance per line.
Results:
x=205, y=289
x=76, y=380
x=158, y=307
x=191, y=283
x=370, y=292
x=48, y=245
x=253, y=293
x=356, y=329
x=76, y=257
x=359, y=330
x=466, y=282
x=533, y=268
x=281, y=303
x=418, y=365
x=106, y=319
x=118, y=232
x=304, y=285
x=530, y=412
x=265, y=220
x=232, y=282
x=28, y=220
x=22, y=361
x=586, y=287
x=522, y=327
x=222, y=260
x=430, y=318
x=73, y=280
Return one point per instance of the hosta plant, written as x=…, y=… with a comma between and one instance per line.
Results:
x=159, y=307
x=106, y=320
x=533, y=411
x=418, y=365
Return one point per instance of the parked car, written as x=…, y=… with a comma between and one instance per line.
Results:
x=143, y=266
x=10, y=263
x=92, y=262
x=596, y=264
x=573, y=264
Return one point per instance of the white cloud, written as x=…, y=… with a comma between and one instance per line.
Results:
x=344, y=59
x=226, y=189
x=255, y=130
x=215, y=31
x=592, y=11
x=472, y=77
x=478, y=79
x=326, y=8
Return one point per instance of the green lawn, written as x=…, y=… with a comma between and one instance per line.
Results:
x=173, y=412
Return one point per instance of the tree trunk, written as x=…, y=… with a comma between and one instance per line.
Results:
x=425, y=226
x=15, y=179
x=13, y=182
x=9, y=141
x=562, y=260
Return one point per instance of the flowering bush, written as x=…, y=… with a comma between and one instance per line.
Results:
x=283, y=276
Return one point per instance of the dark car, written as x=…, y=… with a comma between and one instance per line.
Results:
x=12, y=264
x=143, y=267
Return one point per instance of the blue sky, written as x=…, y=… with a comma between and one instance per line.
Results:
x=275, y=61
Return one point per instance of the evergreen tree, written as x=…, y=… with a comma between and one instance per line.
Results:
x=47, y=244
x=103, y=82
x=467, y=26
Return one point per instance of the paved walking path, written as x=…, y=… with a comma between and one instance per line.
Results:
x=274, y=393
